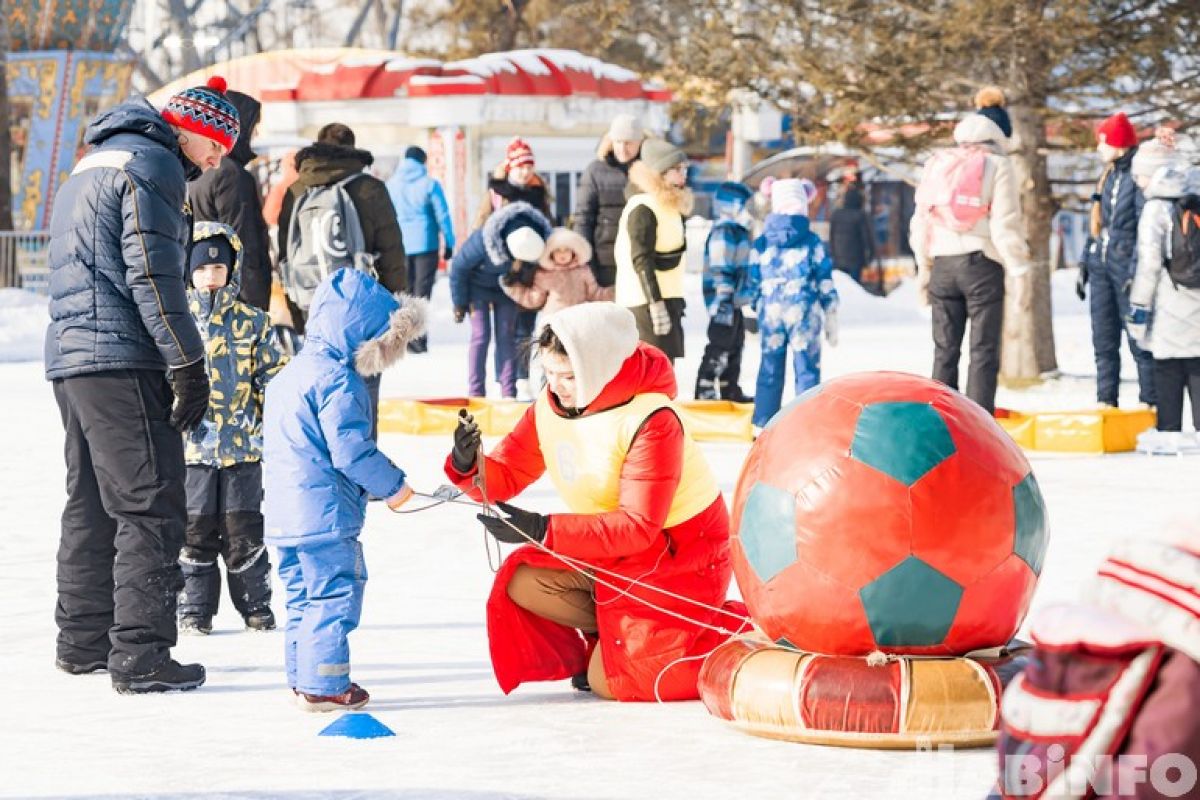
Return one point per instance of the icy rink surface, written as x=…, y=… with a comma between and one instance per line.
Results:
x=422, y=648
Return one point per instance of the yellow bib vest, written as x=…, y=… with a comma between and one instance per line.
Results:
x=584, y=456
x=669, y=238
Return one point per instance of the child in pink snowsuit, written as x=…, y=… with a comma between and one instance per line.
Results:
x=563, y=277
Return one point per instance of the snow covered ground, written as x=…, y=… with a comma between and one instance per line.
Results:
x=422, y=650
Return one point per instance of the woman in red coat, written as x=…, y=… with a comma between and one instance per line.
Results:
x=643, y=504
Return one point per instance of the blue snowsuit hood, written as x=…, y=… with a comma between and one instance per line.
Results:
x=319, y=460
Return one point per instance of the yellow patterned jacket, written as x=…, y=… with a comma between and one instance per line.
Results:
x=242, y=354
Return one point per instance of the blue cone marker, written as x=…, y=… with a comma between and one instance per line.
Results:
x=357, y=726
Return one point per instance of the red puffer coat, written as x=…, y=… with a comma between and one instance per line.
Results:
x=638, y=643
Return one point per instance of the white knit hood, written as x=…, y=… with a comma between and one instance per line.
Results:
x=598, y=338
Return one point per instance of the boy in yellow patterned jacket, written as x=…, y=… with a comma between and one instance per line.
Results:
x=224, y=470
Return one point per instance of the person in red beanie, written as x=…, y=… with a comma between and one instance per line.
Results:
x=1109, y=260
x=127, y=366
x=515, y=180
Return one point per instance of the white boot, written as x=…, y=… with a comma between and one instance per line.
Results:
x=523, y=392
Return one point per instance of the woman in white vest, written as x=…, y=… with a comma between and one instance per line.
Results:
x=650, y=245
x=642, y=504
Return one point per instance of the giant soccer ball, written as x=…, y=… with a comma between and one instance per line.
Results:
x=884, y=511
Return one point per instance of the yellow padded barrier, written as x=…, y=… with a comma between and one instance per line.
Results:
x=708, y=420
x=1107, y=430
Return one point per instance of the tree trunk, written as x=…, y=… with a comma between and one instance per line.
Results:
x=1028, y=347
x=5, y=133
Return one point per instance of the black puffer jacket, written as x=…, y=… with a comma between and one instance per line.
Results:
x=119, y=238
x=851, y=241
x=598, y=207
x=229, y=194
x=321, y=164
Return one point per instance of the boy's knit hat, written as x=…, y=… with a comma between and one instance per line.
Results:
x=206, y=111
x=416, y=154
x=1117, y=131
x=518, y=154
x=733, y=192
x=788, y=196
x=213, y=250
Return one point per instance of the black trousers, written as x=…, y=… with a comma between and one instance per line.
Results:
x=721, y=365
x=1172, y=376
x=961, y=288
x=422, y=273
x=123, y=524
x=224, y=520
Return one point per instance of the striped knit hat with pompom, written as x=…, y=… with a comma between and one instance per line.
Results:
x=205, y=110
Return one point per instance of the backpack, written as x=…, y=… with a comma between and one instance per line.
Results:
x=1184, y=264
x=324, y=235
x=952, y=186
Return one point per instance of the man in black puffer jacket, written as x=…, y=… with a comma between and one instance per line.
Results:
x=230, y=194
x=119, y=236
x=601, y=197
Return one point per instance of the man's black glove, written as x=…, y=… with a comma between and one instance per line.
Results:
x=190, y=385
x=466, y=442
x=448, y=253
x=531, y=524
x=1081, y=282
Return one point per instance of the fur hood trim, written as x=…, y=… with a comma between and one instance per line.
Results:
x=505, y=219
x=651, y=182
x=566, y=238
x=405, y=324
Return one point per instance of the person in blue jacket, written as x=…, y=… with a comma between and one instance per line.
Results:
x=423, y=214
x=506, y=247
x=320, y=463
x=791, y=281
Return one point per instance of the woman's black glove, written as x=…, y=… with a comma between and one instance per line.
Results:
x=190, y=385
x=466, y=442
x=531, y=524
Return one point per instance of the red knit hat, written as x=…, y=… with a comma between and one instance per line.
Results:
x=205, y=110
x=519, y=154
x=1116, y=131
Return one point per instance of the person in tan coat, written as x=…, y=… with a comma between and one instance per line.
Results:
x=963, y=259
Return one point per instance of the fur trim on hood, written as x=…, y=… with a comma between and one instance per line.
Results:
x=325, y=151
x=405, y=324
x=566, y=238
x=651, y=182
x=504, y=221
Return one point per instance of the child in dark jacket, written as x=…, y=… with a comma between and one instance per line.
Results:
x=321, y=462
x=515, y=232
x=726, y=276
x=224, y=453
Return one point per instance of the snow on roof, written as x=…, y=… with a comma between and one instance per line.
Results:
x=409, y=64
x=444, y=80
x=535, y=72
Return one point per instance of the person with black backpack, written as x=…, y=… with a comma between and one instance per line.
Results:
x=335, y=215
x=1164, y=301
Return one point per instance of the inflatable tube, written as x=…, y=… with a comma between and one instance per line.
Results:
x=780, y=693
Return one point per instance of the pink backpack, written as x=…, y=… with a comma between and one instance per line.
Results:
x=951, y=189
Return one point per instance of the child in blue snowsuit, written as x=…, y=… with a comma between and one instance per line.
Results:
x=726, y=276
x=320, y=463
x=791, y=281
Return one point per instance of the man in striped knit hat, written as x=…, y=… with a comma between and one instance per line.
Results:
x=127, y=365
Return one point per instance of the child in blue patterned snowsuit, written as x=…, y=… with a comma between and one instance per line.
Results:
x=726, y=275
x=791, y=281
x=320, y=462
